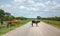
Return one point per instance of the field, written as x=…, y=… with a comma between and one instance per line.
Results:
x=53, y=23
x=4, y=30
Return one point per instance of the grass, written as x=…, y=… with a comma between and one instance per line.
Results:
x=4, y=30
x=53, y=23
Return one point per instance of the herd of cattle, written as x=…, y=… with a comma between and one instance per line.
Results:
x=18, y=21
x=10, y=22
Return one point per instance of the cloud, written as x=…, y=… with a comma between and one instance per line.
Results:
x=31, y=1
x=22, y=7
x=8, y=5
x=19, y=1
x=5, y=6
x=30, y=5
x=51, y=5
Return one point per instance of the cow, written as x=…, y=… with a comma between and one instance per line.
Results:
x=12, y=22
x=35, y=21
x=8, y=23
x=16, y=21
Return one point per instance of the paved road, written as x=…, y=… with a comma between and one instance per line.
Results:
x=43, y=29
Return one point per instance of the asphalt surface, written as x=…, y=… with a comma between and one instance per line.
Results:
x=42, y=29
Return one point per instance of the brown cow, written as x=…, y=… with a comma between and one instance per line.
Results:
x=16, y=21
x=12, y=22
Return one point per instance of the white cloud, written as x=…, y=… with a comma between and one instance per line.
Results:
x=39, y=4
x=32, y=9
x=51, y=5
x=31, y=1
x=32, y=5
x=22, y=7
x=1, y=6
x=5, y=6
x=28, y=8
x=19, y=1
x=47, y=6
x=8, y=5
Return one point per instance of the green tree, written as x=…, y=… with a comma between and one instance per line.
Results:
x=2, y=14
x=38, y=17
x=8, y=16
x=21, y=18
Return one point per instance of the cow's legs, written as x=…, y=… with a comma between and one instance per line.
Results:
x=32, y=24
x=8, y=25
x=36, y=24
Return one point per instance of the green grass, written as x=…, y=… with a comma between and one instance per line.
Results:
x=53, y=23
x=4, y=30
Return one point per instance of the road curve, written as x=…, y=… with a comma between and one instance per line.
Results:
x=43, y=29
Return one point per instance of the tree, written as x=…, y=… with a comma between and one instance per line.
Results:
x=2, y=14
x=8, y=16
x=38, y=17
x=21, y=18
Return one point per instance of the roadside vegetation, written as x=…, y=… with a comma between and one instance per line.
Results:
x=54, y=21
x=4, y=29
x=5, y=16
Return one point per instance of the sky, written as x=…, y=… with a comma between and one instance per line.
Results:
x=31, y=8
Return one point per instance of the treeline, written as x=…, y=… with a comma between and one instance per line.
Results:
x=4, y=16
x=56, y=18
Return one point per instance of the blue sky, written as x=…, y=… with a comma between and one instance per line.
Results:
x=31, y=8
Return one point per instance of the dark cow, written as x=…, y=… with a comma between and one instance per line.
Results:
x=35, y=21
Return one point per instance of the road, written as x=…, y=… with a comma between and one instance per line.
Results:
x=43, y=29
